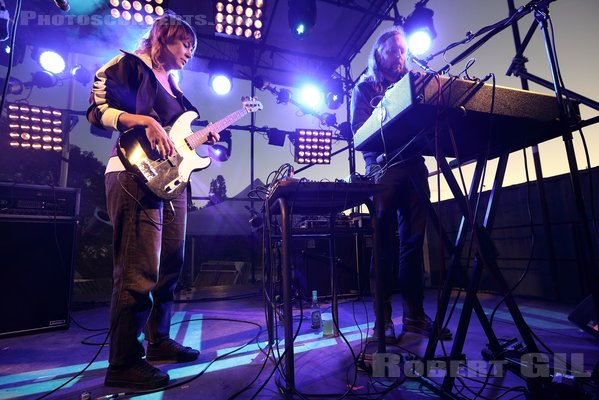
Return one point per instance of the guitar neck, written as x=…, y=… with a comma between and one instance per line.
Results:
x=201, y=136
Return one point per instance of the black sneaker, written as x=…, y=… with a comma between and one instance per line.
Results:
x=389, y=333
x=140, y=375
x=169, y=350
x=423, y=325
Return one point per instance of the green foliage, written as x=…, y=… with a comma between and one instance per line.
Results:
x=94, y=251
x=218, y=191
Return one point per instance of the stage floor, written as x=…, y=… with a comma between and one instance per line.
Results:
x=228, y=325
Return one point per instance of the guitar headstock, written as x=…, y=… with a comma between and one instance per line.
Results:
x=250, y=104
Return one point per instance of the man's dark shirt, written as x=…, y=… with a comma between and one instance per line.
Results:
x=364, y=99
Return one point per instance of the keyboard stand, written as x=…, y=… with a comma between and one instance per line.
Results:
x=316, y=198
x=485, y=257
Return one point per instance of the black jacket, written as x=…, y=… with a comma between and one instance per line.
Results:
x=365, y=97
x=125, y=84
x=363, y=100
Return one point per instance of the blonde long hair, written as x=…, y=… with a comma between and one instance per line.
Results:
x=165, y=30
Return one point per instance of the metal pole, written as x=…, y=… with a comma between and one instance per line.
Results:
x=64, y=162
x=538, y=170
x=350, y=142
x=588, y=260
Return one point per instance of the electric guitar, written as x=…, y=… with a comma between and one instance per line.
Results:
x=167, y=178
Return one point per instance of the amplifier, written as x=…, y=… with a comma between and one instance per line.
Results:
x=38, y=201
x=324, y=223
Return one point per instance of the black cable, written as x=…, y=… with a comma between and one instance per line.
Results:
x=109, y=330
x=189, y=380
x=78, y=373
x=85, y=341
x=284, y=170
x=120, y=173
x=247, y=387
x=280, y=359
x=464, y=386
x=350, y=386
x=13, y=34
x=591, y=188
x=532, y=247
x=93, y=358
x=85, y=328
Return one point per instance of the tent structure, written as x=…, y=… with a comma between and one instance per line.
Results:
x=229, y=218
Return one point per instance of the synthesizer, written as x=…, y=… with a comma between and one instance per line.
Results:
x=419, y=112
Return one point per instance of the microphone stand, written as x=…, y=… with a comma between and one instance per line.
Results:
x=588, y=256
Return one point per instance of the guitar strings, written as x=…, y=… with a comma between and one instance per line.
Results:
x=158, y=163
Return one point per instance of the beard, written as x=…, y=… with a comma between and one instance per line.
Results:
x=394, y=71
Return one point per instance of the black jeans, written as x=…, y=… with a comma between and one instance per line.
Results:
x=148, y=244
x=403, y=203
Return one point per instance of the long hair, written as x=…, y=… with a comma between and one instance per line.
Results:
x=165, y=30
x=373, y=73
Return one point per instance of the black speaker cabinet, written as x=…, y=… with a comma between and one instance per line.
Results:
x=311, y=264
x=585, y=317
x=36, y=273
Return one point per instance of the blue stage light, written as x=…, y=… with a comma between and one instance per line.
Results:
x=301, y=17
x=311, y=96
x=221, y=84
x=419, y=28
x=52, y=62
x=419, y=42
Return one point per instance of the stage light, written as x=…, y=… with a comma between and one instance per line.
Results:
x=218, y=152
x=142, y=12
x=52, y=62
x=276, y=137
x=419, y=42
x=220, y=76
x=335, y=93
x=312, y=146
x=328, y=119
x=301, y=17
x=32, y=127
x=239, y=18
x=43, y=79
x=419, y=28
x=81, y=74
x=15, y=86
x=221, y=84
x=261, y=83
x=311, y=96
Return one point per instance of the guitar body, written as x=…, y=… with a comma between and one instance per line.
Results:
x=168, y=178
x=165, y=178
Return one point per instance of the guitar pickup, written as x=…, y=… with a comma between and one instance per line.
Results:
x=147, y=170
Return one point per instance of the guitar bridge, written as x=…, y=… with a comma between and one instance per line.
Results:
x=147, y=170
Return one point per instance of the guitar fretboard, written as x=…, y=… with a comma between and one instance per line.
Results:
x=199, y=137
